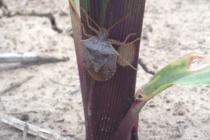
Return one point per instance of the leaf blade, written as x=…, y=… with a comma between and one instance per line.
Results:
x=178, y=72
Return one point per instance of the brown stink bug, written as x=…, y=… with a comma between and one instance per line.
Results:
x=99, y=56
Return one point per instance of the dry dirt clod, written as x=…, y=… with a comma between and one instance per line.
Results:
x=24, y=117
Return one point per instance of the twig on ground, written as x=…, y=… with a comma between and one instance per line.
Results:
x=25, y=131
x=19, y=113
x=16, y=85
x=32, y=129
x=55, y=82
x=29, y=58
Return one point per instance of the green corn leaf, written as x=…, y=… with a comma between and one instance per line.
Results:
x=192, y=69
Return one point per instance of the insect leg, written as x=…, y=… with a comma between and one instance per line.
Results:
x=86, y=34
x=124, y=42
x=126, y=61
x=88, y=23
x=131, y=34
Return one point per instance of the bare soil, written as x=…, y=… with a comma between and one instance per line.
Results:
x=51, y=99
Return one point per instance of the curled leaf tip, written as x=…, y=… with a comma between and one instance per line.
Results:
x=198, y=62
x=192, y=69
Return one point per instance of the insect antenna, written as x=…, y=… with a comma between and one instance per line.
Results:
x=117, y=23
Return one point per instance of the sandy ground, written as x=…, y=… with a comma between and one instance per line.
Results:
x=51, y=98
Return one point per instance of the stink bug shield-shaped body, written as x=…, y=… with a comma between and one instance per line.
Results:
x=99, y=56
